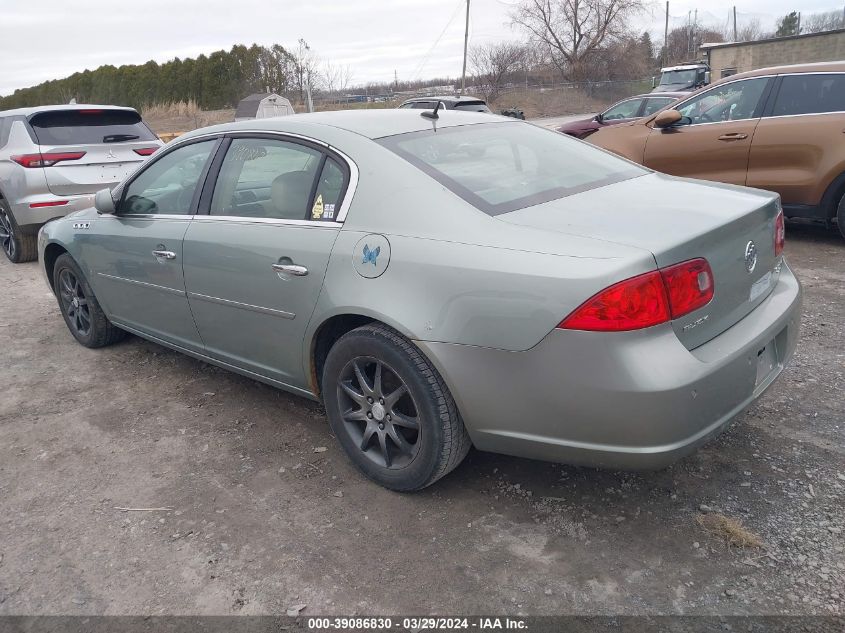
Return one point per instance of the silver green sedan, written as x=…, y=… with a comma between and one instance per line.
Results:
x=443, y=282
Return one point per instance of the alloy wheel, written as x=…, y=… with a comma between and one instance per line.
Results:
x=74, y=302
x=379, y=413
x=7, y=237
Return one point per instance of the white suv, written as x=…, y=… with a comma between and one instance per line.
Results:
x=54, y=158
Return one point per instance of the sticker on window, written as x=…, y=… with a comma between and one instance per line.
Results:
x=328, y=211
x=317, y=209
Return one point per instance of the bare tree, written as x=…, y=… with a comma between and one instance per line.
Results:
x=684, y=42
x=336, y=77
x=750, y=31
x=494, y=64
x=307, y=63
x=827, y=21
x=572, y=31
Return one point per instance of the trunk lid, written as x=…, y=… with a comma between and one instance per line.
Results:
x=108, y=137
x=677, y=220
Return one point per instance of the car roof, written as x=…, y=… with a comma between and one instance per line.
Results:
x=376, y=123
x=818, y=67
x=63, y=107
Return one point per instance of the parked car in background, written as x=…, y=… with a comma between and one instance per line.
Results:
x=779, y=129
x=682, y=78
x=514, y=113
x=54, y=158
x=621, y=112
x=439, y=283
x=467, y=104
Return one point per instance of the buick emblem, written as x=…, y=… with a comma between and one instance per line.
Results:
x=750, y=257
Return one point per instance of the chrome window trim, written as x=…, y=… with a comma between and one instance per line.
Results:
x=248, y=220
x=243, y=306
x=791, y=116
x=147, y=216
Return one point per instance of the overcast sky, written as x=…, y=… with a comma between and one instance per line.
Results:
x=50, y=39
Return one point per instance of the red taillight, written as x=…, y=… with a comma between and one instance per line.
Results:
x=45, y=160
x=780, y=233
x=51, y=203
x=646, y=300
x=632, y=304
x=146, y=151
x=689, y=286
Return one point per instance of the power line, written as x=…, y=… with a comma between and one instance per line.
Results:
x=419, y=69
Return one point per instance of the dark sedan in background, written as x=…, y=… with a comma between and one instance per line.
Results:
x=622, y=112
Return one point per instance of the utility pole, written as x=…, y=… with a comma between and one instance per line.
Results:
x=466, y=41
x=735, y=38
x=666, y=35
x=798, y=27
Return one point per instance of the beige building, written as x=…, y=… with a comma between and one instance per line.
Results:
x=729, y=58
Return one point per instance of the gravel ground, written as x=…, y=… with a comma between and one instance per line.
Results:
x=257, y=516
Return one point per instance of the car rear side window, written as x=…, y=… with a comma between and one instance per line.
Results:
x=810, y=94
x=501, y=167
x=266, y=178
x=330, y=189
x=89, y=127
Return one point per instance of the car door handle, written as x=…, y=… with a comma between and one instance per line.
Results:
x=734, y=136
x=291, y=269
x=164, y=254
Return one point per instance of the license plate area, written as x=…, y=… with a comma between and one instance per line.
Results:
x=767, y=362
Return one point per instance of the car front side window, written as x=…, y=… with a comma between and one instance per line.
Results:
x=168, y=185
x=266, y=178
x=734, y=101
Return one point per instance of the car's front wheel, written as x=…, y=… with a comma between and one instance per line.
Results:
x=81, y=311
x=18, y=246
x=390, y=409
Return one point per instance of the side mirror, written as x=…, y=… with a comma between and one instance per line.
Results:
x=654, y=82
x=667, y=118
x=103, y=202
x=598, y=118
x=706, y=77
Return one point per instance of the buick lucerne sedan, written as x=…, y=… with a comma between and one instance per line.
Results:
x=443, y=280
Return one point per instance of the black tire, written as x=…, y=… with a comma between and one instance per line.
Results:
x=423, y=454
x=18, y=246
x=80, y=309
x=840, y=216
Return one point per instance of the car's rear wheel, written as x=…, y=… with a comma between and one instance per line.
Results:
x=390, y=409
x=81, y=311
x=840, y=216
x=18, y=246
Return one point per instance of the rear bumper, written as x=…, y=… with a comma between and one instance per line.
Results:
x=637, y=400
x=29, y=218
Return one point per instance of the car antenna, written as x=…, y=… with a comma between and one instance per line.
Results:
x=433, y=114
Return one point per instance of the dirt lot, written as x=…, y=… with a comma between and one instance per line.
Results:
x=261, y=519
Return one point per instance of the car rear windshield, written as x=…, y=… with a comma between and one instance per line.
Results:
x=88, y=127
x=501, y=167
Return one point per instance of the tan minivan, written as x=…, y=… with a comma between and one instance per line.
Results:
x=781, y=129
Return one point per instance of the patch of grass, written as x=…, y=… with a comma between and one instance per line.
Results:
x=728, y=529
